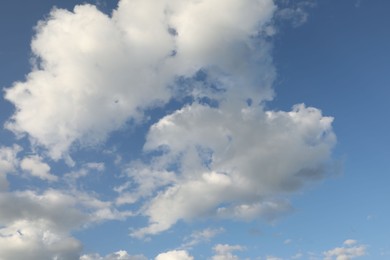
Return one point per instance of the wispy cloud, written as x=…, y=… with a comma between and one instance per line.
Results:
x=119, y=255
x=9, y=163
x=225, y=251
x=295, y=13
x=37, y=168
x=204, y=235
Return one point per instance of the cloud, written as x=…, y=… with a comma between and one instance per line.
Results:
x=350, y=242
x=174, y=255
x=269, y=210
x=146, y=179
x=85, y=87
x=224, y=252
x=201, y=236
x=297, y=16
x=349, y=251
x=38, y=225
x=239, y=159
x=120, y=255
x=37, y=168
x=223, y=154
x=72, y=177
x=294, y=12
x=55, y=207
x=36, y=240
x=297, y=256
x=98, y=166
x=358, y=3
x=8, y=164
x=273, y=258
x=93, y=72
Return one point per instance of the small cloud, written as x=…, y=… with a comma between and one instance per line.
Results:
x=37, y=168
x=73, y=176
x=175, y=255
x=350, y=242
x=287, y=241
x=350, y=250
x=201, y=236
x=294, y=12
x=358, y=3
x=225, y=251
x=95, y=166
x=8, y=163
x=297, y=256
x=270, y=257
x=297, y=16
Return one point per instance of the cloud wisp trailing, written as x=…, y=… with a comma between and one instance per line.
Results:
x=221, y=154
x=201, y=236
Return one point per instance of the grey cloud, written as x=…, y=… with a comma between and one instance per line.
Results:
x=38, y=225
x=253, y=155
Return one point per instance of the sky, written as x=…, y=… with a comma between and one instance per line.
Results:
x=194, y=129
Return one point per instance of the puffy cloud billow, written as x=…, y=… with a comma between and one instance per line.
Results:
x=222, y=154
x=174, y=255
x=350, y=249
x=238, y=159
x=94, y=72
x=38, y=225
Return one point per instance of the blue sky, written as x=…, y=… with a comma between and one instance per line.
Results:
x=173, y=129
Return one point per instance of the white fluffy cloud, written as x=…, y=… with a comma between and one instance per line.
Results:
x=36, y=240
x=87, y=82
x=94, y=72
x=239, y=159
x=350, y=250
x=174, y=255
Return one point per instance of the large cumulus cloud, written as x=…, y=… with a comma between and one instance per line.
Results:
x=94, y=72
x=233, y=163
